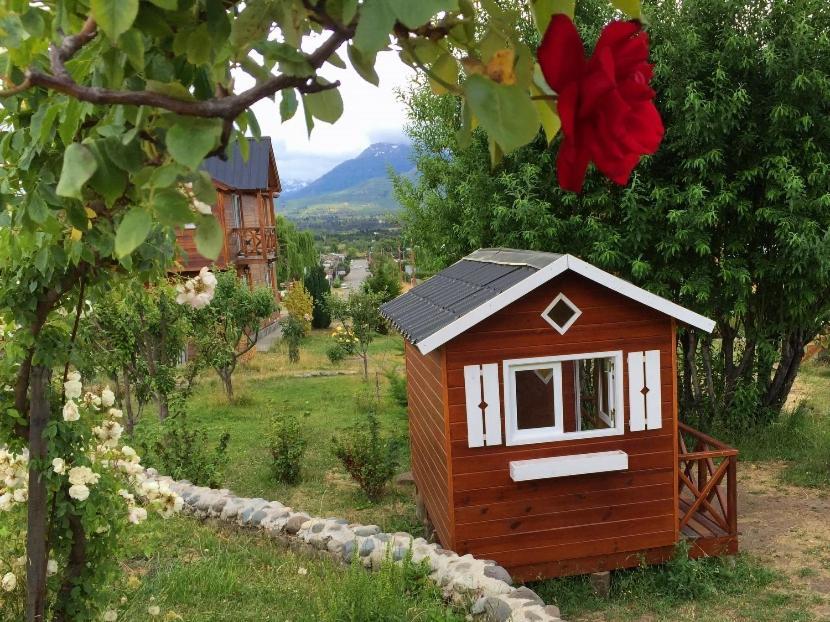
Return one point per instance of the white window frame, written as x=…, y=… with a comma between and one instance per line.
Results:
x=564, y=328
x=556, y=432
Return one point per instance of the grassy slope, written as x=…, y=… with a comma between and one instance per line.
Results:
x=325, y=406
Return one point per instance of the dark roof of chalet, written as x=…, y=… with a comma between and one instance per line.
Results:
x=457, y=290
x=254, y=174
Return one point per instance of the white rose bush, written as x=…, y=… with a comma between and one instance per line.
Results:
x=96, y=483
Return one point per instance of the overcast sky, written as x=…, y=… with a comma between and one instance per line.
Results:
x=370, y=114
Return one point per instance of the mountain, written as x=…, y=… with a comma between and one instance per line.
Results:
x=359, y=187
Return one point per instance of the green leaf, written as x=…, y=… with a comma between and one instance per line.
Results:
x=363, y=65
x=33, y=22
x=325, y=105
x=632, y=8
x=253, y=124
x=506, y=112
x=217, y=20
x=70, y=120
x=190, y=140
x=132, y=42
x=376, y=21
x=114, y=17
x=172, y=207
x=288, y=104
x=109, y=180
x=42, y=121
x=549, y=118
x=335, y=60
x=209, y=237
x=543, y=10
x=413, y=14
x=167, y=5
x=78, y=166
x=204, y=189
x=200, y=46
x=443, y=72
x=251, y=24
x=37, y=209
x=133, y=230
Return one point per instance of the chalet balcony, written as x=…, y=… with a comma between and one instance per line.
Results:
x=707, y=493
x=252, y=243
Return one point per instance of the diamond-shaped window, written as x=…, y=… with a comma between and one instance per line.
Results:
x=561, y=313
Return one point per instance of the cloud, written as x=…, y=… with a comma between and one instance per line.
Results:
x=370, y=114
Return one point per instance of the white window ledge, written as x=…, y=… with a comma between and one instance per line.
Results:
x=563, y=466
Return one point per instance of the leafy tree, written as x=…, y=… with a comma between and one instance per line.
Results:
x=318, y=286
x=360, y=319
x=299, y=304
x=109, y=108
x=385, y=278
x=228, y=328
x=729, y=218
x=298, y=252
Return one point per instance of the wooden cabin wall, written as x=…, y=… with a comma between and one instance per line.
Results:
x=574, y=524
x=429, y=437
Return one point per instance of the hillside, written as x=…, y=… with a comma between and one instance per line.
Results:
x=357, y=188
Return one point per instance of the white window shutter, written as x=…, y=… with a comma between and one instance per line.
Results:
x=481, y=387
x=644, y=396
x=654, y=402
x=636, y=399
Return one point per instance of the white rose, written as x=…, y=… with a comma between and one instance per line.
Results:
x=59, y=466
x=79, y=492
x=153, y=610
x=202, y=207
x=21, y=494
x=83, y=475
x=208, y=278
x=9, y=582
x=73, y=389
x=115, y=413
x=70, y=411
x=200, y=301
x=5, y=502
x=51, y=568
x=107, y=397
x=137, y=515
x=110, y=615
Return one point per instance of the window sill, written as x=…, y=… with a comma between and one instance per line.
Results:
x=565, y=466
x=552, y=435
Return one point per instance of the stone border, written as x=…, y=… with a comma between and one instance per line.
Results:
x=463, y=578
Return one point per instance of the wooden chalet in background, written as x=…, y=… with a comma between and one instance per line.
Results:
x=245, y=208
x=543, y=418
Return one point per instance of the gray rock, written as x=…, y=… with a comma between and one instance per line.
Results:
x=527, y=594
x=317, y=528
x=257, y=517
x=293, y=524
x=365, y=531
x=499, y=573
x=366, y=547
x=383, y=537
x=405, y=478
x=496, y=609
x=552, y=610
x=399, y=553
x=348, y=550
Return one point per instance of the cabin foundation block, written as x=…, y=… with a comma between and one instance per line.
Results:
x=601, y=583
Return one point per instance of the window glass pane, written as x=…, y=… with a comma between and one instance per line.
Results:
x=594, y=405
x=534, y=398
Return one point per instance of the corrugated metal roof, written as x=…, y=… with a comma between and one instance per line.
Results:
x=457, y=290
x=241, y=175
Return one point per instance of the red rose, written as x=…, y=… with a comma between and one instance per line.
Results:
x=605, y=103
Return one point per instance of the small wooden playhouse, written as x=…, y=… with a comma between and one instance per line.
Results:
x=543, y=418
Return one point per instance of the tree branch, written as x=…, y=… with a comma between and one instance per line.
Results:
x=227, y=108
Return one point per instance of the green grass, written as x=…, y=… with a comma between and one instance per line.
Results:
x=800, y=436
x=711, y=589
x=209, y=572
x=325, y=406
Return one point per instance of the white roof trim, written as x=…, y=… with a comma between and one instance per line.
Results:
x=542, y=276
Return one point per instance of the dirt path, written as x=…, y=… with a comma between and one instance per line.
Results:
x=788, y=527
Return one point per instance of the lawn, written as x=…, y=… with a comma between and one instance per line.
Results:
x=202, y=572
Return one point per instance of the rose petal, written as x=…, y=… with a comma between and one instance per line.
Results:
x=561, y=54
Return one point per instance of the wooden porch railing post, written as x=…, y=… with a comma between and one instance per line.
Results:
x=732, y=494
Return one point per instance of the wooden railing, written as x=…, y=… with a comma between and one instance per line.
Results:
x=253, y=242
x=706, y=505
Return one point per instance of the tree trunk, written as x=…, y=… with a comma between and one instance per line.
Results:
x=127, y=402
x=706, y=351
x=164, y=406
x=74, y=570
x=365, y=357
x=226, y=375
x=37, y=548
x=792, y=352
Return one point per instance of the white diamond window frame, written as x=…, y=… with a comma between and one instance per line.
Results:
x=564, y=328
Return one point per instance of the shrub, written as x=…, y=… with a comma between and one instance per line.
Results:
x=293, y=332
x=397, y=388
x=337, y=283
x=318, y=286
x=336, y=353
x=287, y=446
x=298, y=302
x=368, y=457
x=183, y=451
